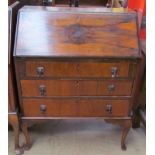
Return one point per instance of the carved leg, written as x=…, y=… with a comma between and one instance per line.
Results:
x=126, y=125
x=28, y=144
x=124, y=134
x=13, y=120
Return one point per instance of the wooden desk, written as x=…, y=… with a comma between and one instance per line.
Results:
x=77, y=63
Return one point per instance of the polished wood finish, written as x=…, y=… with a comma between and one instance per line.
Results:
x=76, y=68
x=77, y=63
x=31, y=88
x=74, y=108
x=72, y=34
x=12, y=104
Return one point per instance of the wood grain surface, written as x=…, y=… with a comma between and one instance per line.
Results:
x=76, y=68
x=74, y=108
x=76, y=33
x=30, y=88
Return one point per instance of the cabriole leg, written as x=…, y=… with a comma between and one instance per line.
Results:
x=126, y=125
x=124, y=135
x=24, y=127
x=13, y=120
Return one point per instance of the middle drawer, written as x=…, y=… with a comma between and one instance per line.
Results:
x=38, y=88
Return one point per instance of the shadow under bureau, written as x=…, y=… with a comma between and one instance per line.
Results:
x=77, y=63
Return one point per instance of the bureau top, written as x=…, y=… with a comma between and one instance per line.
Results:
x=76, y=32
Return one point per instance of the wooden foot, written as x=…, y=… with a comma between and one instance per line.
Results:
x=124, y=135
x=123, y=147
x=28, y=144
x=19, y=151
x=24, y=127
x=13, y=120
x=126, y=125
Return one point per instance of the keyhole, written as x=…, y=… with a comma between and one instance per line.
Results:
x=78, y=67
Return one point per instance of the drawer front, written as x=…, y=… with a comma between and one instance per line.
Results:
x=76, y=69
x=75, y=108
x=37, y=88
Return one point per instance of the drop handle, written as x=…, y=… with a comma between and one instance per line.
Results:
x=111, y=87
x=42, y=90
x=40, y=71
x=114, y=71
x=43, y=108
x=109, y=108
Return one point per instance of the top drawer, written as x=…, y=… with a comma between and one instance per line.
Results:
x=73, y=69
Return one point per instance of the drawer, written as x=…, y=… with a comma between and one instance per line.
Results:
x=75, y=107
x=35, y=88
x=75, y=69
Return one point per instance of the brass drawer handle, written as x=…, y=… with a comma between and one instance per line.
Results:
x=109, y=108
x=43, y=108
x=114, y=71
x=111, y=87
x=40, y=71
x=42, y=90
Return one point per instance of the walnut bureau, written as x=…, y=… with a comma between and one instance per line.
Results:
x=77, y=63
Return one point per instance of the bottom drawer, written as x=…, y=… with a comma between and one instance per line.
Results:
x=75, y=108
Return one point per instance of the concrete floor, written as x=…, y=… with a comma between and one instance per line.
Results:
x=81, y=137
